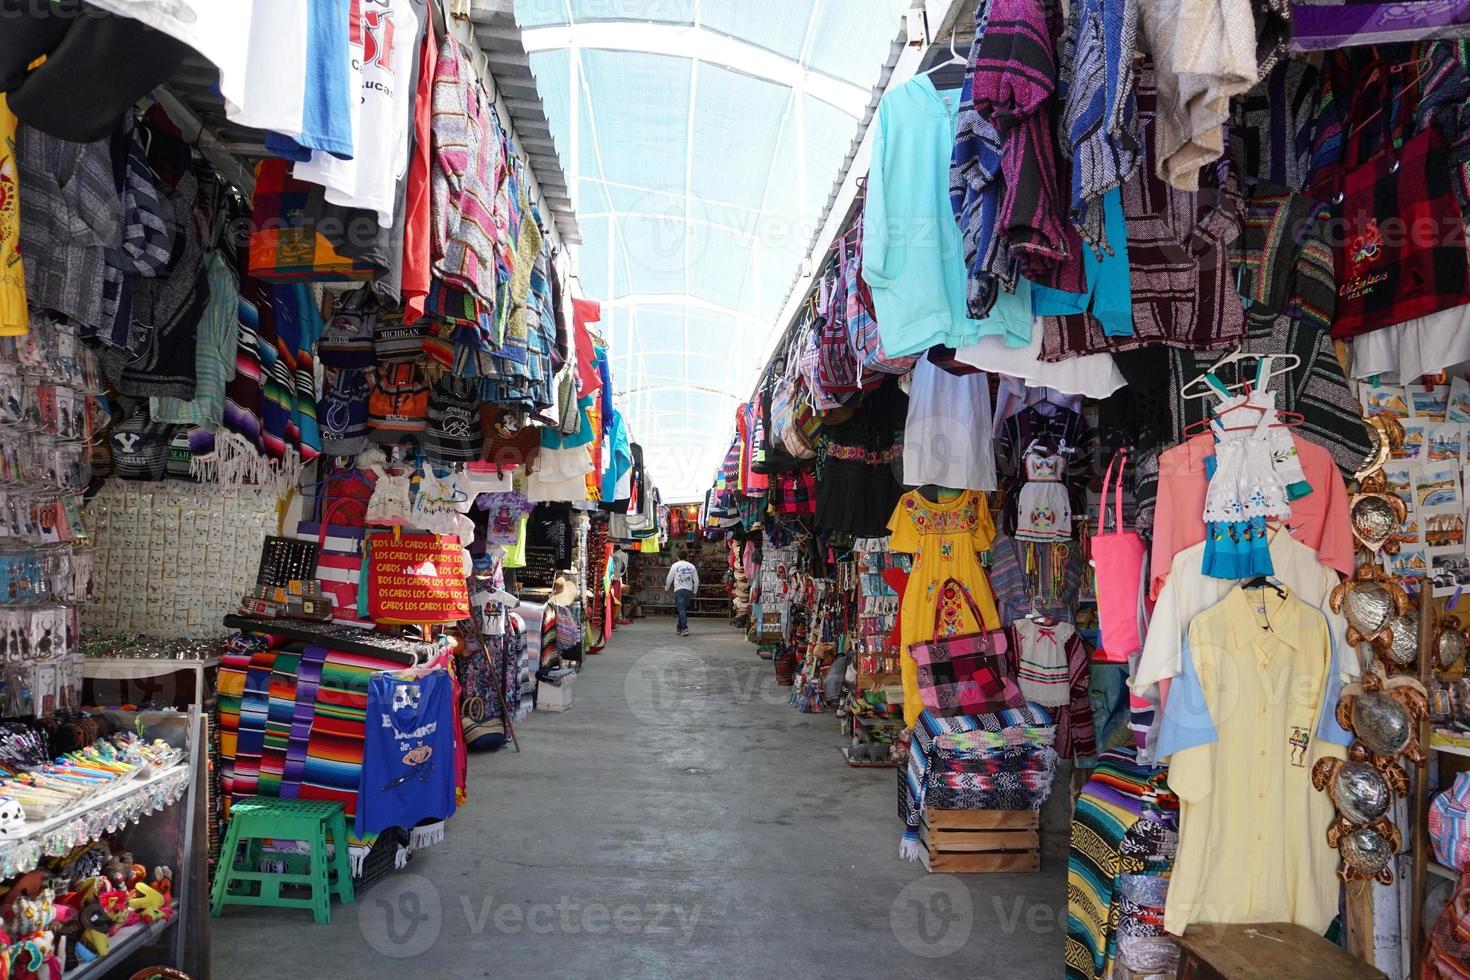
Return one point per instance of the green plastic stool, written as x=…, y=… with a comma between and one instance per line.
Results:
x=263, y=818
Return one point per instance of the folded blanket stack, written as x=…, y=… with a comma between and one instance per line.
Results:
x=1002, y=761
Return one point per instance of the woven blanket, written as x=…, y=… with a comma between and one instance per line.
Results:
x=335, y=747
x=280, y=707
x=254, y=706
x=308, y=679
x=1011, y=750
x=1109, y=840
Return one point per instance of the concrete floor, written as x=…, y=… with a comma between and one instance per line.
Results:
x=680, y=820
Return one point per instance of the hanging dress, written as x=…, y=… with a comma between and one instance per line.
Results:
x=390, y=504
x=1245, y=486
x=947, y=583
x=1043, y=510
x=13, y=317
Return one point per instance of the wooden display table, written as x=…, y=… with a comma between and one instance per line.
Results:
x=1277, y=950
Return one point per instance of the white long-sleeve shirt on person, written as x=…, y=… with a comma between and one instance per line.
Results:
x=682, y=577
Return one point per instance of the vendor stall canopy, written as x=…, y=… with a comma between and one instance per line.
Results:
x=702, y=140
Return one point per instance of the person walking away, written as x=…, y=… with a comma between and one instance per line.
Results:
x=683, y=580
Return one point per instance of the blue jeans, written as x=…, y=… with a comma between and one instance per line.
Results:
x=682, y=598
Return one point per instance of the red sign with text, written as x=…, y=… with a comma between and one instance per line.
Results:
x=416, y=578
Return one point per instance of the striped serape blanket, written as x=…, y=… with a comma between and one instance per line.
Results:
x=1112, y=838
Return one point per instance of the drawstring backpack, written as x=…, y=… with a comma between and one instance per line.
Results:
x=1118, y=558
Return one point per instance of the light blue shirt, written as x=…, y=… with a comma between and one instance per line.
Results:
x=913, y=256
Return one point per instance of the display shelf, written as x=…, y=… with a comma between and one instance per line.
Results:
x=1443, y=870
x=1450, y=744
x=121, y=946
x=104, y=813
x=347, y=638
x=111, y=668
x=138, y=668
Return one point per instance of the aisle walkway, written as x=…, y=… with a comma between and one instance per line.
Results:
x=682, y=820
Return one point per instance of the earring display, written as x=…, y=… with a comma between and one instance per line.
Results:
x=174, y=559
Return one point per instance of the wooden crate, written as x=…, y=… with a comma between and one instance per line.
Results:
x=981, y=841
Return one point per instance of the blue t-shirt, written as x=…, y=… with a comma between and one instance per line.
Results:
x=408, y=770
x=326, y=110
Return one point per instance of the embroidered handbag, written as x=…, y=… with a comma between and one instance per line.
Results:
x=965, y=674
x=1118, y=558
x=837, y=365
x=810, y=346
x=783, y=399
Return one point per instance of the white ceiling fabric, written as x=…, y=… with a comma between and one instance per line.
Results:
x=701, y=140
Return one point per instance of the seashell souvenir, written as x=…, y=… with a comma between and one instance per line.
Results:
x=1449, y=644
x=1366, y=852
x=1388, y=434
x=1401, y=646
x=1369, y=601
x=1361, y=792
x=1382, y=723
x=1369, y=609
x=1375, y=518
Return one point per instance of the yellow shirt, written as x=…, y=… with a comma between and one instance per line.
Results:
x=13, y=317
x=945, y=540
x=1246, y=720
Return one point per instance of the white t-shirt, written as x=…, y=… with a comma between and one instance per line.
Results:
x=683, y=577
x=1092, y=375
x=380, y=129
x=947, y=439
x=220, y=30
x=275, y=69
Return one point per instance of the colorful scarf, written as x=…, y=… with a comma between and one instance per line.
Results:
x=334, y=752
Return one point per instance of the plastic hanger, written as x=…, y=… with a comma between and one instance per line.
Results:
x=955, y=58
x=1290, y=363
x=1264, y=582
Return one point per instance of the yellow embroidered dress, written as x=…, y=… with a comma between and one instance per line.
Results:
x=13, y=318
x=945, y=539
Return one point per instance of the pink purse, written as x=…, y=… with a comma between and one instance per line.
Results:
x=1118, y=558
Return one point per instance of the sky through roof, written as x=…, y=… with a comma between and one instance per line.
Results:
x=701, y=140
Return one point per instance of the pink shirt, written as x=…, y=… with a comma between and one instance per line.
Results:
x=1319, y=520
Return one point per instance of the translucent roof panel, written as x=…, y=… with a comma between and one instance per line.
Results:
x=701, y=141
